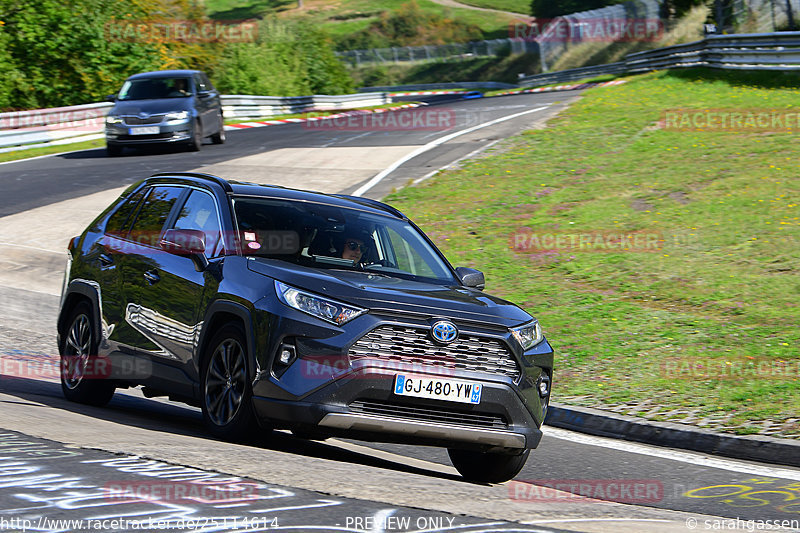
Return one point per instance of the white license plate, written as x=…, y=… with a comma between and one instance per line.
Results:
x=145, y=130
x=438, y=389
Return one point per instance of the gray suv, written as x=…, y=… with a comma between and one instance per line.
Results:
x=168, y=106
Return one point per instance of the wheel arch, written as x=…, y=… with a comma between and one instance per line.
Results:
x=218, y=314
x=79, y=291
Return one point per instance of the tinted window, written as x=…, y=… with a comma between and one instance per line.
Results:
x=118, y=222
x=155, y=88
x=326, y=236
x=200, y=213
x=153, y=214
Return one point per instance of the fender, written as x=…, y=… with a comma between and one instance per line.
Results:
x=89, y=289
x=241, y=312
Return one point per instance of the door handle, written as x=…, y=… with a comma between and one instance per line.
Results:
x=106, y=260
x=152, y=277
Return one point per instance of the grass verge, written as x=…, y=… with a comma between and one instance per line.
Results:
x=16, y=155
x=699, y=328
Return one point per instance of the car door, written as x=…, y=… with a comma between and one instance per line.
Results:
x=164, y=290
x=205, y=106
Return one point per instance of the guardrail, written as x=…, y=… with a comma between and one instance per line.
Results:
x=63, y=124
x=438, y=86
x=754, y=51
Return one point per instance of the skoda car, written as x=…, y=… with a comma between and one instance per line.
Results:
x=327, y=315
x=179, y=107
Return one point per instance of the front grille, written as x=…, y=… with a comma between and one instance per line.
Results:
x=428, y=414
x=414, y=346
x=138, y=121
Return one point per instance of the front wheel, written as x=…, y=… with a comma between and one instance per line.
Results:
x=219, y=137
x=227, y=396
x=485, y=467
x=197, y=137
x=83, y=373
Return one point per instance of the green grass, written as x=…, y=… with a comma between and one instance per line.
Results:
x=503, y=69
x=708, y=323
x=16, y=155
x=348, y=16
x=513, y=6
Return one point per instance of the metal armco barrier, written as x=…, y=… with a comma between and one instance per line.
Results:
x=753, y=51
x=40, y=126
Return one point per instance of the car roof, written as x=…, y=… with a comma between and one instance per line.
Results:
x=163, y=74
x=241, y=188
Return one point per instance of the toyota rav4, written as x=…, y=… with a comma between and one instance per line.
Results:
x=327, y=315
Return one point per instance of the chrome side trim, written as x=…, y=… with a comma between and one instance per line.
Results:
x=385, y=424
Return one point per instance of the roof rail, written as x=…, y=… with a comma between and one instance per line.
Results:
x=372, y=203
x=210, y=177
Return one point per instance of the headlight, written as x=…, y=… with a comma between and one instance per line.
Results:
x=328, y=310
x=180, y=116
x=110, y=119
x=528, y=335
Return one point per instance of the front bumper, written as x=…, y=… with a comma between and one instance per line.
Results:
x=120, y=134
x=362, y=405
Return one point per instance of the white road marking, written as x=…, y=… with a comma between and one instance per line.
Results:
x=673, y=455
x=449, y=165
x=433, y=144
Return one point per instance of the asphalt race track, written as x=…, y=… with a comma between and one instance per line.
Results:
x=131, y=459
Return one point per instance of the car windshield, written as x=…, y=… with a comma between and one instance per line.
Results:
x=332, y=237
x=155, y=88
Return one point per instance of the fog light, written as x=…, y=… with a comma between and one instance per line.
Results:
x=543, y=385
x=286, y=355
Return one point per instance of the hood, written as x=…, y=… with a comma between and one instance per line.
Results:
x=377, y=292
x=151, y=107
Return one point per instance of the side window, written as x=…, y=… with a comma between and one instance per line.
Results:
x=209, y=86
x=200, y=83
x=117, y=224
x=200, y=213
x=153, y=214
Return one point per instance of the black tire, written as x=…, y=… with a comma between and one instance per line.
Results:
x=227, y=397
x=487, y=467
x=78, y=352
x=197, y=137
x=219, y=137
x=112, y=150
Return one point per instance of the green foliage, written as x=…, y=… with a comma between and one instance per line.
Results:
x=550, y=9
x=410, y=26
x=288, y=58
x=56, y=52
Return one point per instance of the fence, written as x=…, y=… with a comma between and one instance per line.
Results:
x=552, y=46
x=66, y=124
x=758, y=51
x=401, y=54
x=761, y=15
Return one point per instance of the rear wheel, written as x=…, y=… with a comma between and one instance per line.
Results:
x=82, y=372
x=487, y=467
x=227, y=396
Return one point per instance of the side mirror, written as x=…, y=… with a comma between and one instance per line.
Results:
x=471, y=277
x=204, y=94
x=111, y=98
x=188, y=242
